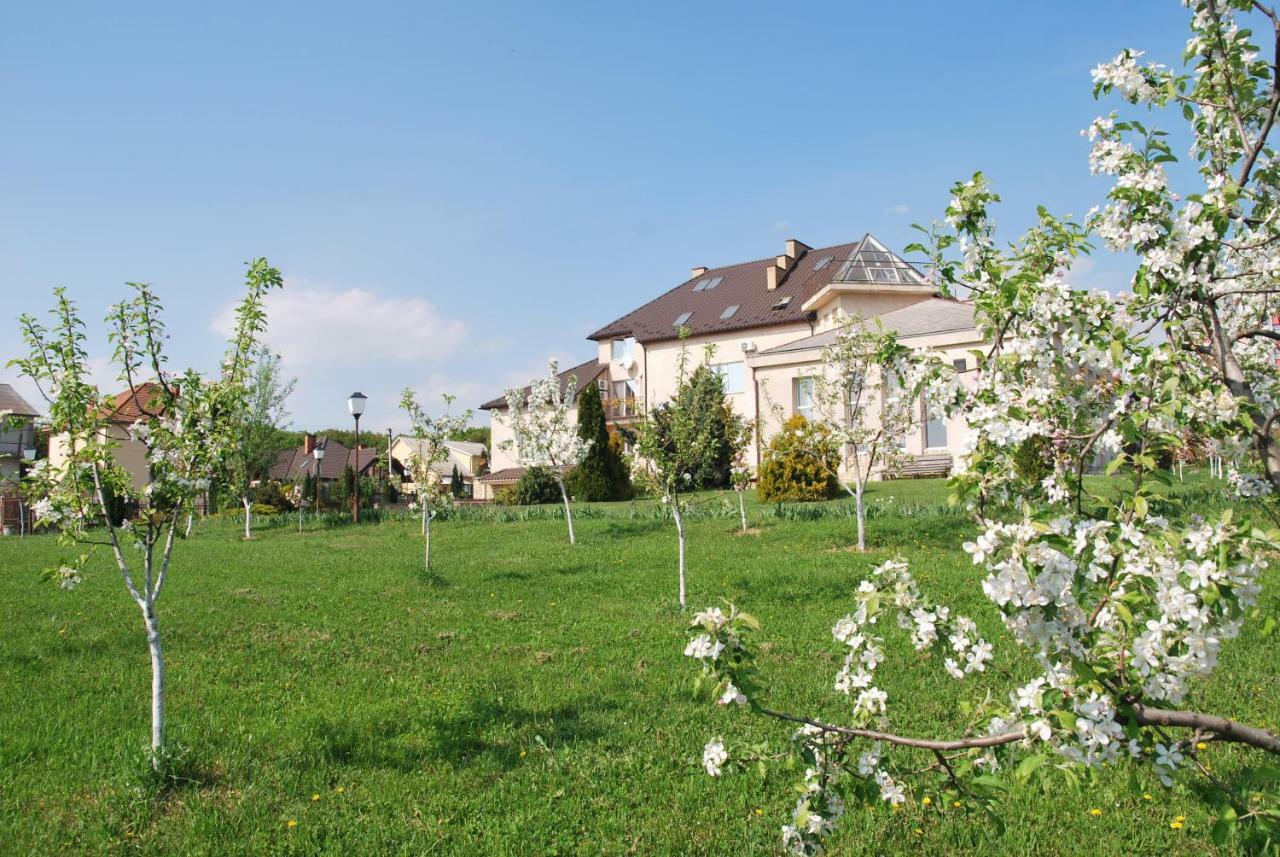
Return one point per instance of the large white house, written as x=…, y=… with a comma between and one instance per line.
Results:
x=769, y=320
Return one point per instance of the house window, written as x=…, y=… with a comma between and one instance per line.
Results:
x=959, y=364
x=803, y=392
x=624, y=349
x=935, y=430
x=623, y=401
x=734, y=375
x=681, y=319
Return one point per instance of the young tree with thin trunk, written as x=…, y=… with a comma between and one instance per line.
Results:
x=187, y=427
x=260, y=428
x=543, y=431
x=741, y=433
x=867, y=392
x=671, y=443
x=430, y=436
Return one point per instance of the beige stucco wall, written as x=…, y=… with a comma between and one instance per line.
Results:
x=128, y=453
x=500, y=433
x=654, y=370
x=776, y=375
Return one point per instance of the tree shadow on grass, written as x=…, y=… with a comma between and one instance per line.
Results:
x=628, y=529
x=468, y=738
x=488, y=732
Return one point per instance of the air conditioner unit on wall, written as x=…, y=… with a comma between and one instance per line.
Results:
x=748, y=347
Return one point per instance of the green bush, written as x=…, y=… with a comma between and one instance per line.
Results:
x=271, y=493
x=799, y=463
x=1033, y=460
x=534, y=487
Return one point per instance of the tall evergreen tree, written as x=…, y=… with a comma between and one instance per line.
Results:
x=602, y=475
x=455, y=482
x=704, y=400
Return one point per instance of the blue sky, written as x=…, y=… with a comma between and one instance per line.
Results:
x=456, y=192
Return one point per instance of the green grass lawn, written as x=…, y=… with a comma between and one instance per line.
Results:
x=531, y=698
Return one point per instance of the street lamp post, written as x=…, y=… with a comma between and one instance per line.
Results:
x=28, y=455
x=318, y=452
x=355, y=404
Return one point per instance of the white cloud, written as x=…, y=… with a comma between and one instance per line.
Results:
x=900, y=208
x=314, y=326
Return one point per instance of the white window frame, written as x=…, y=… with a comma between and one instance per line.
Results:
x=724, y=370
x=797, y=385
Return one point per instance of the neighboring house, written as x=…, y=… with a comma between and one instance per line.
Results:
x=768, y=321
x=470, y=458
x=292, y=465
x=17, y=432
x=121, y=411
x=504, y=467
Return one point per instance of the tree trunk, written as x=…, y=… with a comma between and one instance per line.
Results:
x=568, y=513
x=742, y=510
x=861, y=512
x=157, y=684
x=248, y=513
x=675, y=510
x=426, y=538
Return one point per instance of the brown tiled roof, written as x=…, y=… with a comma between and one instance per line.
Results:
x=146, y=399
x=586, y=373
x=293, y=464
x=503, y=476
x=743, y=285
x=11, y=401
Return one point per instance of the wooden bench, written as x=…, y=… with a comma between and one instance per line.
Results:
x=921, y=467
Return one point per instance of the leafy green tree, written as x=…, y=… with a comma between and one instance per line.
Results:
x=602, y=475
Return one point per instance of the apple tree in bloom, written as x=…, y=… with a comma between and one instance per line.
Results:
x=187, y=426
x=671, y=442
x=544, y=431
x=1124, y=609
x=430, y=434
x=867, y=392
x=741, y=433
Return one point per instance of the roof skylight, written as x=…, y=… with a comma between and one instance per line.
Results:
x=681, y=319
x=822, y=263
x=728, y=313
x=701, y=284
x=782, y=304
x=713, y=282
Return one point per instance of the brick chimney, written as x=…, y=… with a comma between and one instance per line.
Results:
x=776, y=273
x=308, y=443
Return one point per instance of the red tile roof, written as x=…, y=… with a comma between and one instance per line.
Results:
x=144, y=400
x=742, y=285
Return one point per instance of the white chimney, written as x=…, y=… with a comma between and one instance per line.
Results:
x=699, y=271
x=773, y=276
